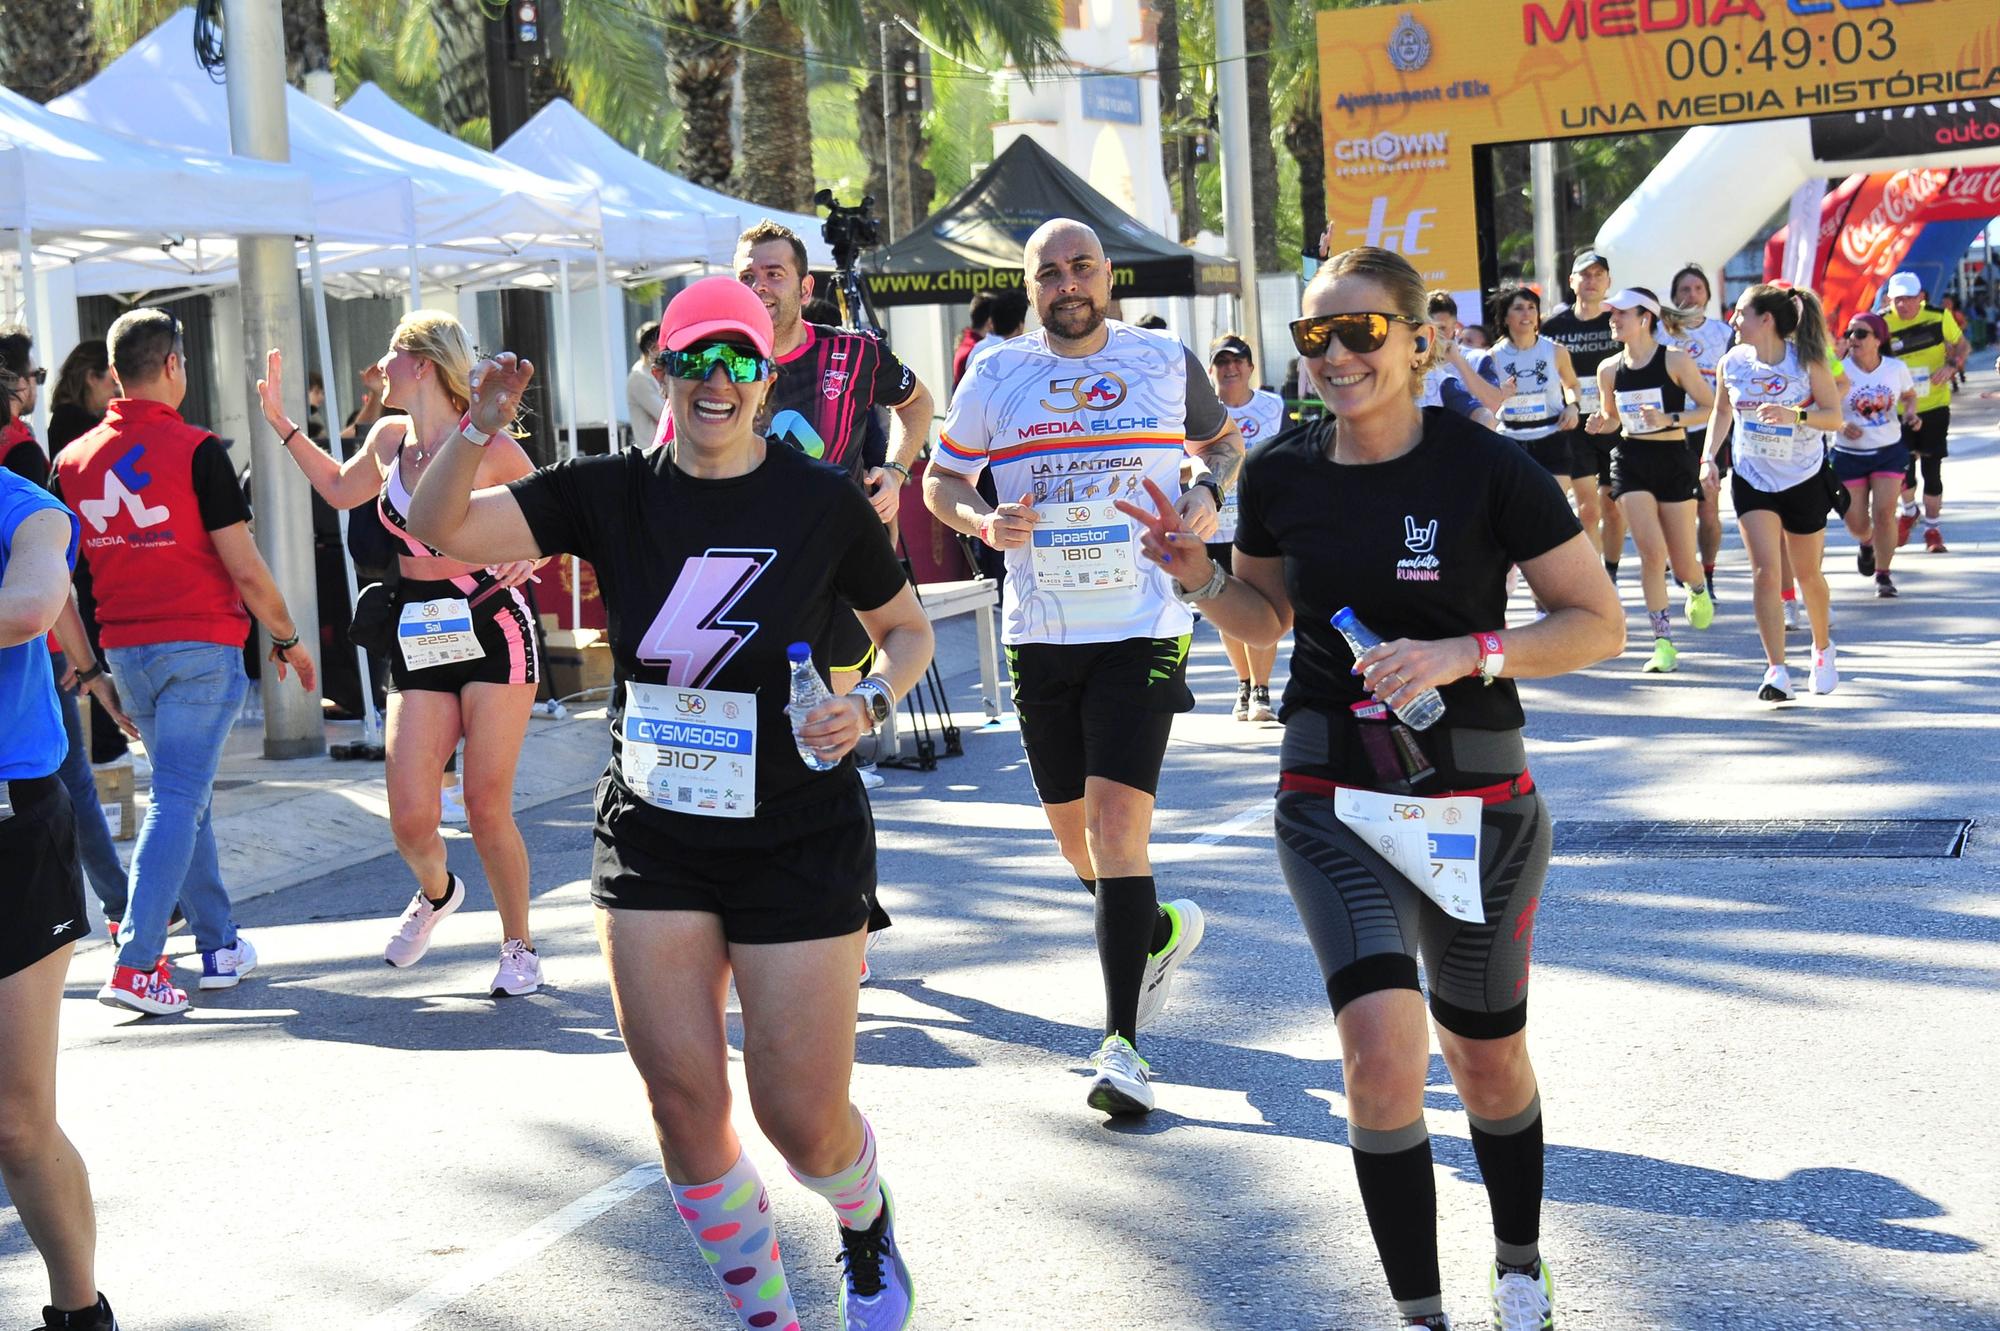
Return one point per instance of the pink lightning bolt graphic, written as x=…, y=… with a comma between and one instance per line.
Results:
x=689, y=636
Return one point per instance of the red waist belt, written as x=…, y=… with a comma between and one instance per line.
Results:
x=1498, y=793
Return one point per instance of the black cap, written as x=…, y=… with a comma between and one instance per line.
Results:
x=1585, y=258
x=1229, y=344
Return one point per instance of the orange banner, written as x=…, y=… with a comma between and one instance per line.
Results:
x=1409, y=91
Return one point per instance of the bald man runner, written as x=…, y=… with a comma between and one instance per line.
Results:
x=1070, y=418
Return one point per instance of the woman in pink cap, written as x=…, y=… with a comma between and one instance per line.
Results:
x=720, y=851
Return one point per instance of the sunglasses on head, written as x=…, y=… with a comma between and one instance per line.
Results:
x=697, y=363
x=1359, y=333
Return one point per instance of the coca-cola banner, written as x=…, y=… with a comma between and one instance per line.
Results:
x=1907, y=132
x=1884, y=218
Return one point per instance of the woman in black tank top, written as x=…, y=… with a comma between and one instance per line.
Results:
x=1650, y=394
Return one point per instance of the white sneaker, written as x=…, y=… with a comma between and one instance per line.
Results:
x=451, y=801
x=870, y=778
x=867, y=946
x=1777, y=685
x=413, y=932
x=1791, y=616
x=1522, y=1302
x=1824, y=673
x=1122, y=1084
x=520, y=970
x=1160, y=967
x=224, y=967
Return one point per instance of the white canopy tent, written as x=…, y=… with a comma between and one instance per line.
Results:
x=561, y=141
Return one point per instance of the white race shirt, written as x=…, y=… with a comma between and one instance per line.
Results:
x=1770, y=457
x=1869, y=399
x=1261, y=418
x=1538, y=388
x=1074, y=433
x=1706, y=347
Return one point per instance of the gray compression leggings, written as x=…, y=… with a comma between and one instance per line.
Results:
x=1369, y=925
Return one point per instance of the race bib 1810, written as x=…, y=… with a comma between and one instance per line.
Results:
x=1083, y=546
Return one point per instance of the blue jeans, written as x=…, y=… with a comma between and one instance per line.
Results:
x=184, y=697
x=93, y=838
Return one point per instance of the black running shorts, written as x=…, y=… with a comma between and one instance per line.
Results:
x=1102, y=709
x=41, y=892
x=1933, y=441
x=1551, y=451
x=502, y=625
x=1667, y=469
x=818, y=882
x=1802, y=508
x=1369, y=925
x=1590, y=455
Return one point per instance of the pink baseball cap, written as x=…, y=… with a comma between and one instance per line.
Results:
x=715, y=307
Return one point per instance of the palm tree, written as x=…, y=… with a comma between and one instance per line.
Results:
x=1258, y=33
x=47, y=48
x=307, y=49
x=459, y=27
x=776, y=164
x=701, y=73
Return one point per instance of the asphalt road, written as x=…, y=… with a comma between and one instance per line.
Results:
x=1769, y=1084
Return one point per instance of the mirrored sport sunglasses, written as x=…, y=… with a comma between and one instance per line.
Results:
x=1359, y=333
x=697, y=363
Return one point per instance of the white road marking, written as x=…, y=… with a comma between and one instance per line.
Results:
x=1256, y=813
x=497, y=1261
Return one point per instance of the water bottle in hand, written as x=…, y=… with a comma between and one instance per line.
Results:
x=1418, y=713
x=808, y=692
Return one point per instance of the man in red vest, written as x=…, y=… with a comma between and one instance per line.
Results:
x=167, y=551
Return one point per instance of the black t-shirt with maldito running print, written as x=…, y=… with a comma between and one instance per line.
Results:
x=1419, y=546
x=705, y=584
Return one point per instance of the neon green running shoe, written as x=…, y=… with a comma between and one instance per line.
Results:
x=1665, y=660
x=1523, y=1302
x=1700, y=609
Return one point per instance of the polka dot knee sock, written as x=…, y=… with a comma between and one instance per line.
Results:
x=730, y=1221
x=856, y=1191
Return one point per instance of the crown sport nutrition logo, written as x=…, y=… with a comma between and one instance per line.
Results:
x=1086, y=392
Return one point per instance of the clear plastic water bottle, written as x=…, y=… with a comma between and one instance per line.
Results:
x=1418, y=713
x=808, y=692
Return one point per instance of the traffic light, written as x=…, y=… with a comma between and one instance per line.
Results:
x=907, y=67
x=525, y=29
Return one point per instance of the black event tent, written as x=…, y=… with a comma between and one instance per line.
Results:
x=975, y=241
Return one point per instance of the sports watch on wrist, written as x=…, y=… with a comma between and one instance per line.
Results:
x=876, y=698
x=1492, y=657
x=1214, y=490
x=1207, y=591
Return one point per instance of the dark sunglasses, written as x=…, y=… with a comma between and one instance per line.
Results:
x=1359, y=333
x=1860, y=332
x=38, y=375
x=697, y=363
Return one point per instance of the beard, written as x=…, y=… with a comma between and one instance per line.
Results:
x=1077, y=323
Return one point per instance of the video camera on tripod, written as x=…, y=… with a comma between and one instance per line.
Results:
x=849, y=231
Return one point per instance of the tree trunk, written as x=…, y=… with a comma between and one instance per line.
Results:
x=777, y=162
x=47, y=47
x=1306, y=142
x=702, y=74
x=1173, y=145
x=461, y=38
x=1257, y=38
x=306, y=47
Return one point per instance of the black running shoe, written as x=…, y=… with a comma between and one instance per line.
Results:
x=1865, y=560
x=100, y=1318
x=1885, y=590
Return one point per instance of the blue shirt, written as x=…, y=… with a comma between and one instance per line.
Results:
x=32, y=742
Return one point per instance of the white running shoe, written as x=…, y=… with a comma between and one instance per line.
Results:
x=1825, y=675
x=1160, y=967
x=520, y=970
x=1522, y=1302
x=867, y=946
x=1777, y=685
x=1122, y=1085
x=870, y=778
x=451, y=801
x=225, y=966
x=413, y=932
x=1791, y=616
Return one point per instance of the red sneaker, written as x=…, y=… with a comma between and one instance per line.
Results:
x=151, y=992
x=1934, y=541
x=1904, y=522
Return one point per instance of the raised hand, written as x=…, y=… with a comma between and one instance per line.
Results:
x=498, y=384
x=271, y=393
x=1167, y=539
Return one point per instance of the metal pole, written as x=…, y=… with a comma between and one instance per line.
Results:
x=1238, y=210
x=567, y=356
x=416, y=283
x=28, y=321
x=888, y=146
x=611, y=327
x=1542, y=198
x=371, y=728
x=293, y=726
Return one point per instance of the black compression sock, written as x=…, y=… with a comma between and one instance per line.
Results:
x=1510, y=1161
x=1611, y=567
x=1163, y=929
x=1089, y=885
x=1399, y=1193
x=1126, y=910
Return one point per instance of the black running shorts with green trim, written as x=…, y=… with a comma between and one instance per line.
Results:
x=1102, y=709
x=41, y=902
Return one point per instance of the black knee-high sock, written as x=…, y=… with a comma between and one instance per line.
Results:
x=1399, y=1192
x=1510, y=1161
x=1163, y=925
x=1126, y=909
